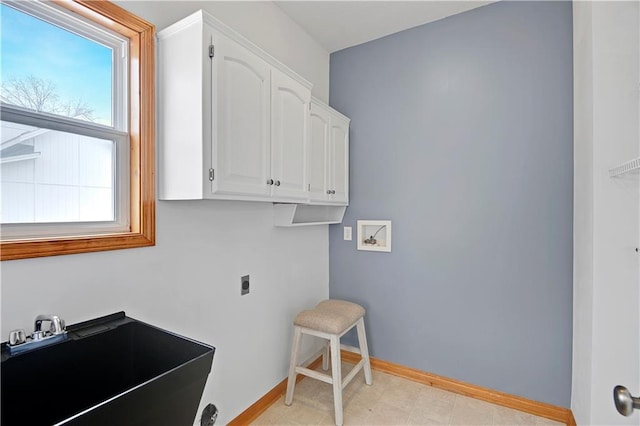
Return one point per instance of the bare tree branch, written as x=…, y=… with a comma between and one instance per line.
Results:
x=76, y=108
x=31, y=92
x=40, y=95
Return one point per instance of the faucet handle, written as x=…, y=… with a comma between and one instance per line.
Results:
x=57, y=325
x=17, y=337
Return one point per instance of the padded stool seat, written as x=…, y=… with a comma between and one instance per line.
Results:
x=330, y=319
x=330, y=316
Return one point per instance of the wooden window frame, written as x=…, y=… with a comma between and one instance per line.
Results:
x=142, y=143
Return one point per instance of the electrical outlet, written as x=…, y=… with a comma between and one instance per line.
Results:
x=347, y=233
x=244, y=285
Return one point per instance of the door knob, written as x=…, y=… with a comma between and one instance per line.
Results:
x=277, y=183
x=625, y=403
x=269, y=181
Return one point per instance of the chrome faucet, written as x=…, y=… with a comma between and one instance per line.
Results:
x=19, y=341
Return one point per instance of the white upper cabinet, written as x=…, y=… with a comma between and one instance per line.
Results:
x=290, y=103
x=320, y=122
x=328, y=155
x=236, y=124
x=242, y=121
x=339, y=159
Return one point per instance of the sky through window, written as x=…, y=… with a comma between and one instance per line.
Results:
x=80, y=70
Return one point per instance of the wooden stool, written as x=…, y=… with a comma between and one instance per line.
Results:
x=330, y=319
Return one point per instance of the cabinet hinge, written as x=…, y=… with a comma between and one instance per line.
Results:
x=211, y=50
x=211, y=175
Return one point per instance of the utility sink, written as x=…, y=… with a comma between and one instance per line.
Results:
x=110, y=371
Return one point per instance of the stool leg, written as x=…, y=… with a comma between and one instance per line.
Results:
x=291, y=383
x=336, y=373
x=325, y=356
x=364, y=351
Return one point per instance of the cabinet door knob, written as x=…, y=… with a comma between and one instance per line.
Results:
x=277, y=183
x=269, y=181
x=624, y=401
x=329, y=191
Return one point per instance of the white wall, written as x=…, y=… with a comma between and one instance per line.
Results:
x=190, y=281
x=606, y=340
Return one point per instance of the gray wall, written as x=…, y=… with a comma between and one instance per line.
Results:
x=461, y=134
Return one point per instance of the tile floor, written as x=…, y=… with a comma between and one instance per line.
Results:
x=390, y=401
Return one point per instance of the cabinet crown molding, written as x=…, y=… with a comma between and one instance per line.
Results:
x=222, y=28
x=320, y=103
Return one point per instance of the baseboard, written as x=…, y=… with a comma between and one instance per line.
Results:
x=261, y=405
x=536, y=408
x=541, y=409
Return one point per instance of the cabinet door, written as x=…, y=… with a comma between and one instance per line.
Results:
x=339, y=164
x=318, y=160
x=290, y=102
x=241, y=120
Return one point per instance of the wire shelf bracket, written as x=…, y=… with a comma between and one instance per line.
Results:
x=625, y=168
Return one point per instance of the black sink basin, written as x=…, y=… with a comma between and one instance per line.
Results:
x=111, y=371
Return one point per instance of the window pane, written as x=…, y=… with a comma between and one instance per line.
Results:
x=51, y=176
x=48, y=69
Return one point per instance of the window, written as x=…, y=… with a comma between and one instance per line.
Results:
x=76, y=129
